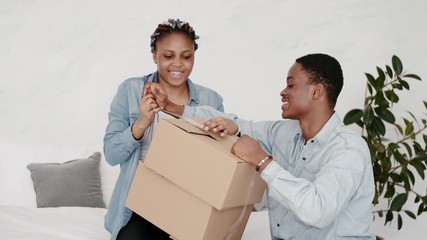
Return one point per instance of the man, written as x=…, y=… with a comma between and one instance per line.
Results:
x=318, y=172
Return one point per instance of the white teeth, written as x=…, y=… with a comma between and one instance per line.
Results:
x=176, y=73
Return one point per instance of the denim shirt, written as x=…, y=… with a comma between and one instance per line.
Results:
x=321, y=188
x=121, y=148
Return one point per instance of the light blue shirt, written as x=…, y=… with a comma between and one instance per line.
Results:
x=121, y=148
x=317, y=189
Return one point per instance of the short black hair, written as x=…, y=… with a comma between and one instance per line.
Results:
x=173, y=26
x=326, y=70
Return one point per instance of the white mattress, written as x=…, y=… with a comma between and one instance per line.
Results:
x=82, y=223
x=77, y=223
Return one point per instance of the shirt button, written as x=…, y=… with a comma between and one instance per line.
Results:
x=312, y=141
x=304, y=158
x=278, y=224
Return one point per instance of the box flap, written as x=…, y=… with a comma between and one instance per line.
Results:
x=227, y=141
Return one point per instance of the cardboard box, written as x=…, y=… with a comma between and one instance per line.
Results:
x=180, y=213
x=203, y=165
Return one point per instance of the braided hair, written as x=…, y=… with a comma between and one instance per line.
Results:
x=171, y=26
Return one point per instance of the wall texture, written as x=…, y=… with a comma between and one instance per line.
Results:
x=61, y=61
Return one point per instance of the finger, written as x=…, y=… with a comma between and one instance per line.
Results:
x=157, y=109
x=147, y=96
x=212, y=124
x=225, y=133
x=147, y=88
x=218, y=128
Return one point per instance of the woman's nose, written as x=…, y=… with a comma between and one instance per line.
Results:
x=177, y=62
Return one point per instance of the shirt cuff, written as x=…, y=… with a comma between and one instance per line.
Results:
x=271, y=171
x=188, y=112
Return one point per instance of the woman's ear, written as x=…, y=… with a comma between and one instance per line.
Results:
x=155, y=57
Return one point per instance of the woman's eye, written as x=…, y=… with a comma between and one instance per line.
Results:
x=187, y=57
x=168, y=56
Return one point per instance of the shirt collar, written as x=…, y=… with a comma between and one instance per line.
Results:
x=326, y=132
x=194, y=96
x=323, y=135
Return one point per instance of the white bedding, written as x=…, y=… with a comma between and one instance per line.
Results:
x=76, y=223
x=83, y=223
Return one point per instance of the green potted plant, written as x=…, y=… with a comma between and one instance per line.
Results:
x=398, y=157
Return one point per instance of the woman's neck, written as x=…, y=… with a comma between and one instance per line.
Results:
x=179, y=95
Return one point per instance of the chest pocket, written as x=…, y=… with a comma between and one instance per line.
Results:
x=310, y=168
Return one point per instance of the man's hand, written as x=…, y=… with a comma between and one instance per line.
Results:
x=249, y=150
x=221, y=125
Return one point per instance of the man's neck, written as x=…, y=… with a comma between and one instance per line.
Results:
x=312, y=125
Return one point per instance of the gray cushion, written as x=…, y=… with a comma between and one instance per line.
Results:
x=73, y=183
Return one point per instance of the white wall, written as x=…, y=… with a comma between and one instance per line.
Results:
x=61, y=61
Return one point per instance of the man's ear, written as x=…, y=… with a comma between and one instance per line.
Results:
x=318, y=91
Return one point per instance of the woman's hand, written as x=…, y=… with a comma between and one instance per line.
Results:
x=158, y=92
x=147, y=110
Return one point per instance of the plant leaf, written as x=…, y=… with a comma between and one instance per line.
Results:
x=396, y=177
x=414, y=76
x=409, y=128
x=399, y=128
x=368, y=115
x=388, y=217
x=381, y=78
x=397, y=86
x=420, y=156
x=389, y=71
x=353, y=116
x=392, y=96
x=420, y=169
x=371, y=81
x=404, y=84
x=397, y=65
x=420, y=209
x=379, y=126
x=399, y=222
x=385, y=115
x=398, y=202
x=390, y=191
x=410, y=214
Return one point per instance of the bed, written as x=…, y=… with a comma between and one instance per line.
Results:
x=30, y=172
x=82, y=223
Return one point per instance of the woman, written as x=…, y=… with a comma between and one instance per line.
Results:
x=133, y=119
